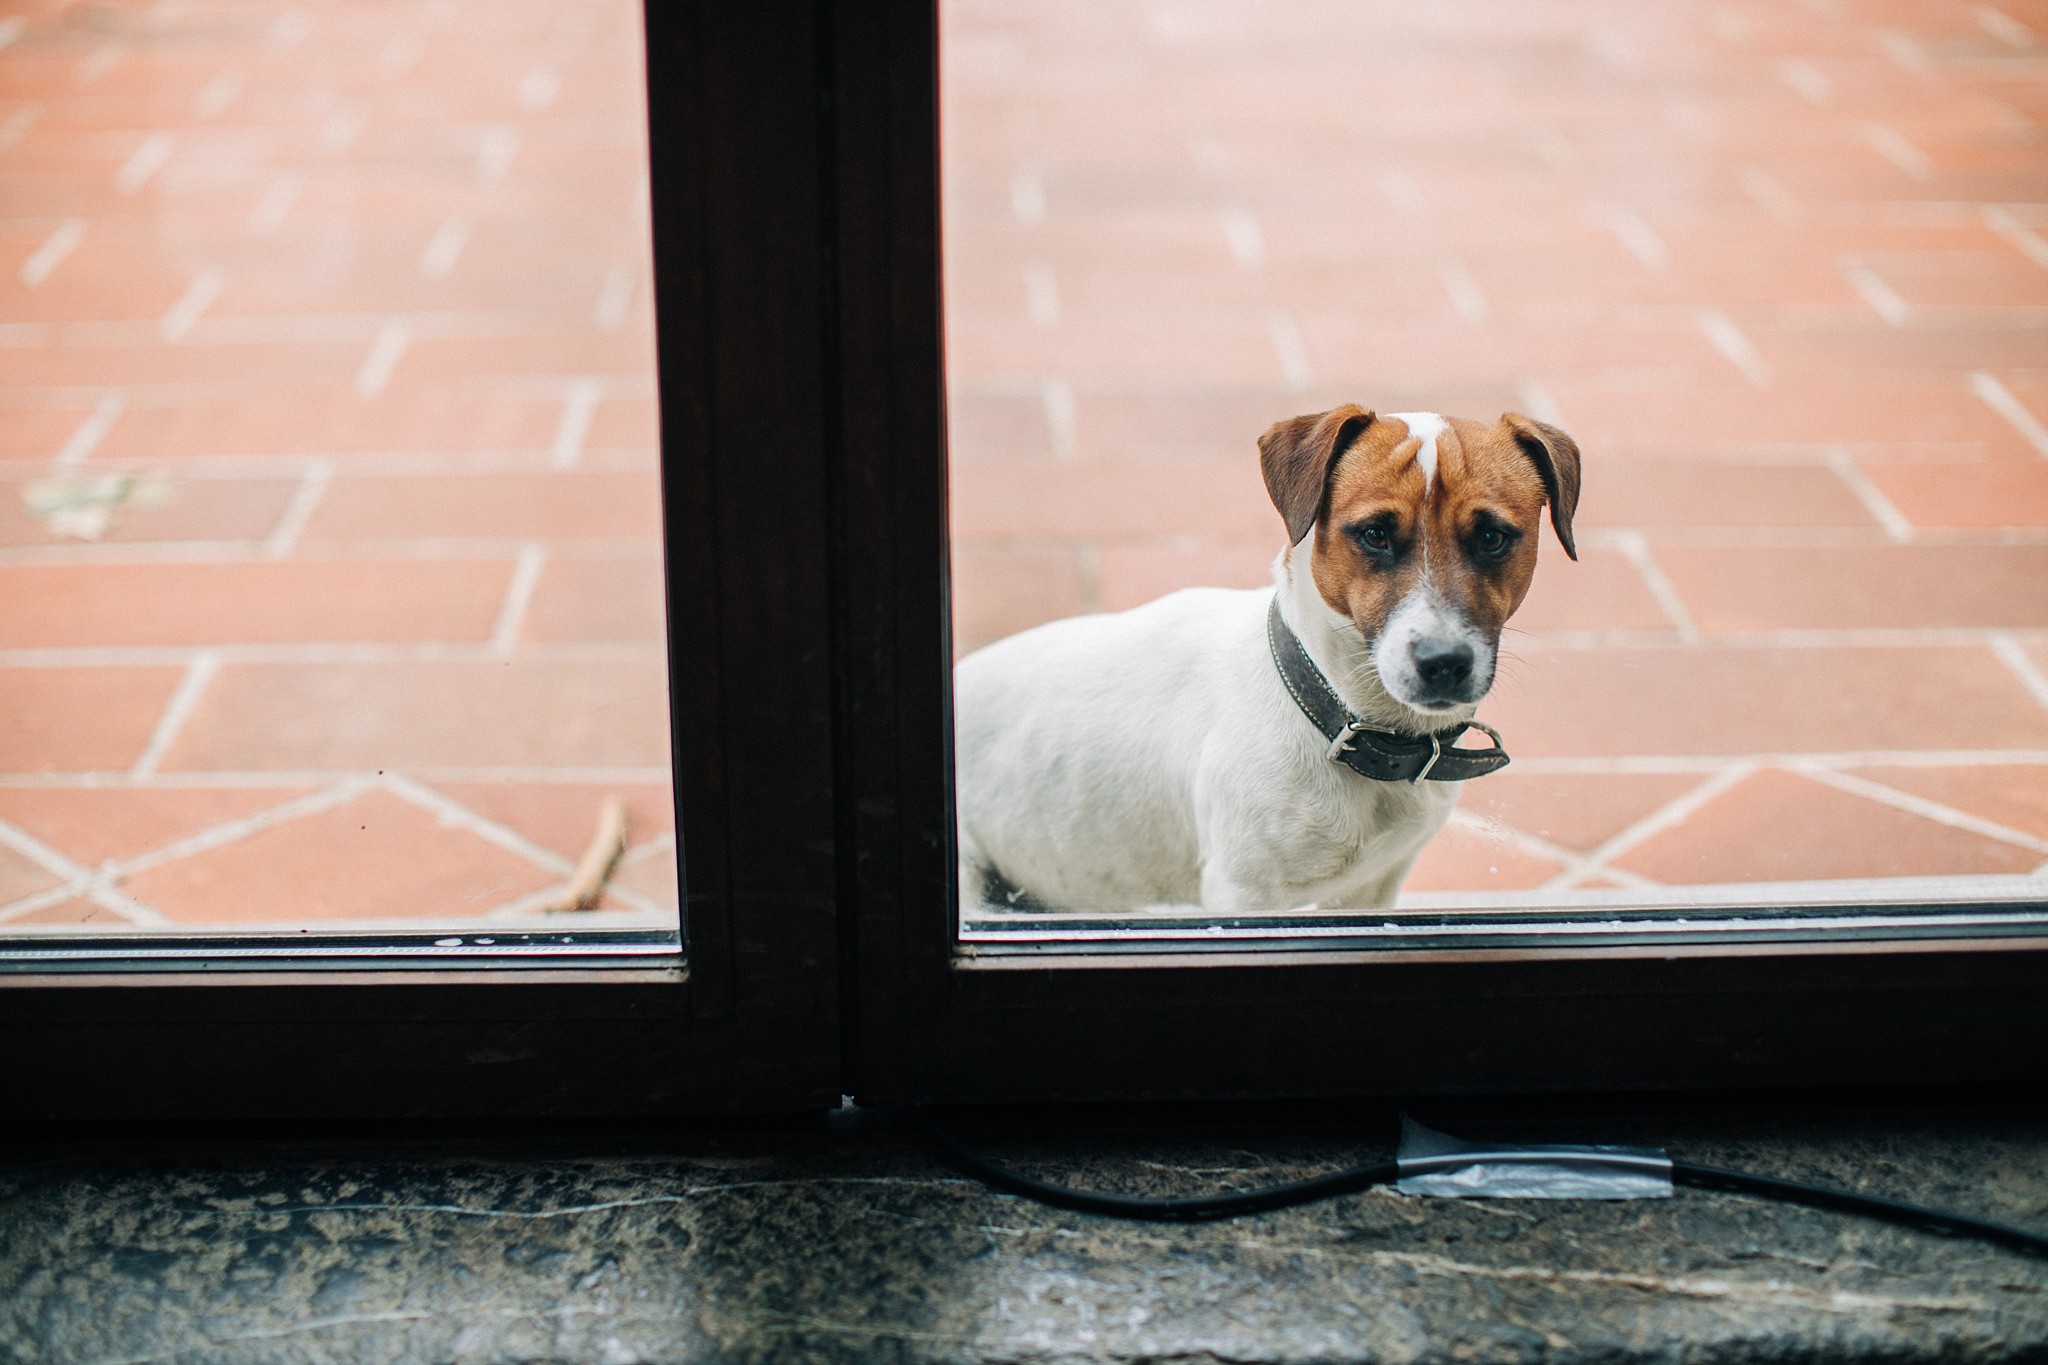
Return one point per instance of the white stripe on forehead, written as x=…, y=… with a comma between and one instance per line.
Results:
x=1426, y=426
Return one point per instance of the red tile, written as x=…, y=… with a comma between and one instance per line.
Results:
x=576, y=504
x=202, y=604
x=145, y=506
x=653, y=876
x=1841, y=587
x=1650, y=494
x=1124, y=499
x=1734, y=701
x=563, y=815
x=1778, y=827
x=999, y=590
x=77, y=911
x=1599, y=591
x=79, y=719
x=1967, y=495
x=1577, y=811
x=1132, y=573
x=21, y=877
x=468, y=713
x=376, y=858
x=92, y=825
x=1465, y=859
x=2014, y=795
x=597, y=600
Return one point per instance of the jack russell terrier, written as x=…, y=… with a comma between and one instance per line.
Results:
x=1267, y=750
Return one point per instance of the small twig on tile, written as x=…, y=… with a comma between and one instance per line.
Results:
x=586, y=887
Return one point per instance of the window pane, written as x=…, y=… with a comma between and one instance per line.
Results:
x=330, y=541
x=1780, y=272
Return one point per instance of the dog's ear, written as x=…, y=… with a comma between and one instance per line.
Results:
x=1556, y=457
x=1297, y=455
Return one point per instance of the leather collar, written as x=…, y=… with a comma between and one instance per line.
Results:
x=1381, y=755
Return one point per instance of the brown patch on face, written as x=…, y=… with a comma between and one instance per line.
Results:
x=1472, y=529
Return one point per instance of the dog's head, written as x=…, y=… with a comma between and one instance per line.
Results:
x=1425, y=532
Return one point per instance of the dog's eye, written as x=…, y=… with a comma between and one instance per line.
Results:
x=1376, y=538
x=1492, y=541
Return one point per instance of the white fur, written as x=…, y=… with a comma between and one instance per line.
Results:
x=1425, y=427
x=1154, y=757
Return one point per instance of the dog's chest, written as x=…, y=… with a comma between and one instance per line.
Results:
x=1339, y=831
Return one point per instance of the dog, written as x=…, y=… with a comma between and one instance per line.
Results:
x=1264, y=750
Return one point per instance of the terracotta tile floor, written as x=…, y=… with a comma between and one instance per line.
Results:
x=1781, y=268
x=328, y=534
x=329, y=531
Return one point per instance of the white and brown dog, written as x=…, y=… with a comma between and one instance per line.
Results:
x=1265, y=750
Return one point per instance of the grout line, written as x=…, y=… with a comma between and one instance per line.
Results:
x=238, y=780
x=1027, y=197
x=1894, y=147
x=231, y=831
x=1088, y=563
x=1807, y=81
x=87, y=435
x=51, y=253
x=287, y=31
x=539, y=88
x=2029, y=243
x=284, y=537
x=1401, y=191
x=453, y=812
x=2016, y=659
x=1062, y=419
x=1537, y=402
x=1874, y=291
x=1466, y=295
x=277, y=201
x=1769, y=194
x=339, y=129
x=1554, y=148
x=392, y=339
x=579, y=408
x=217, y=94
x=1287, y=345
x=1666, y=817
x=1735, y=348
x=41, y=854
x=18, y=123
x=1639, y=237
x=11, y=29
x=615, y=297
x=43, y=900
x=1918, y=805
x=1908, y=54
x=178, y=321
x=2001, y=400
x=495, y=151
x=444, y=248
x=2004, y=27
x=401, y=53
x=1247, y=242
x=1041, y=294
x=101, y=891
x=1628, y=765
x=1880, y=507
x=1637, y=551
x=145, y=161
x=184, y=700
x=518, y=596
x=100, y=61
x=160, y=656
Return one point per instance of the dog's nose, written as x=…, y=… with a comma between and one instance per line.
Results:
x=1444, y=666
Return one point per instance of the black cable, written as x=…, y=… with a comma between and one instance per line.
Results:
x=1352, y=1180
